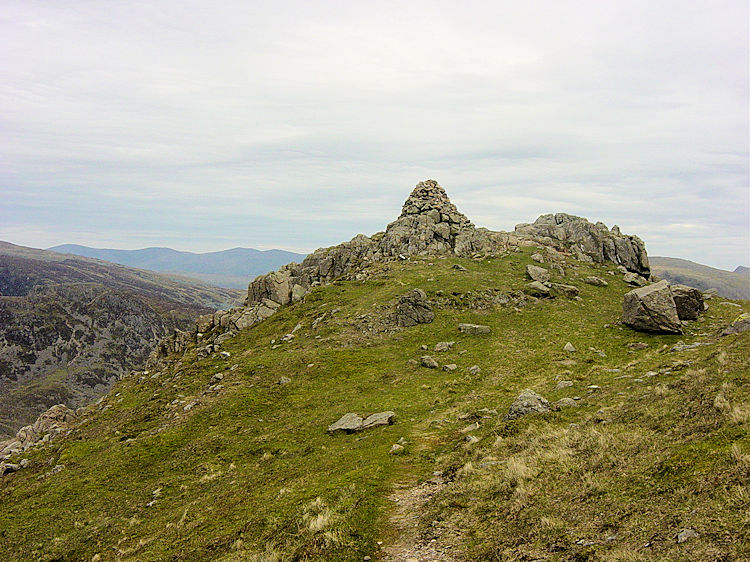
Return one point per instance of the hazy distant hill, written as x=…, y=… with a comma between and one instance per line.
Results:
x=229, y=268
x=69, y=326
x=729, y=284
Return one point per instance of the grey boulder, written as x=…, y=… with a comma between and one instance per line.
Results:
x=688, y=300
x=651, y=309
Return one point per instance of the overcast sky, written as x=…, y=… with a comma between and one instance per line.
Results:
x=210, y=125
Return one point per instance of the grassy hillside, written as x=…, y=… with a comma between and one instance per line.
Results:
x=728, y=284
x=177, y=464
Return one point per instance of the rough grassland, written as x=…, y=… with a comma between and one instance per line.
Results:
x=248, y=472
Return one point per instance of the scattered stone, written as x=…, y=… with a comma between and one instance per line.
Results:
x=285, y=380
x=528, y=402
x=537, y=257
x=564, y=403
x=8, y=468
x=565, y=290
x=412, y=362
x=595, y=281
x=569, y=348
x=471, y=439
x=396, y=449
x=689, y=302
x=459, y=267
x=537, y=273
x=413, y=308
x=217, y=377
x=638, y=345
x=473, y=329
x=450, y=367
x=537, y=289
x=685, y=535
x=348, y=423
x=563, y=384
x=651, y=309
x=741, y=324
x=428, y=362
x=469, y=428
x=444, y=346
x=474, y=370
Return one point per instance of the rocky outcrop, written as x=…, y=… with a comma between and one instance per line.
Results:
x=651, y=309
x=588, y=241
x=55, y=420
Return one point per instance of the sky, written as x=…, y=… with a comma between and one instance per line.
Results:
x=294, y=124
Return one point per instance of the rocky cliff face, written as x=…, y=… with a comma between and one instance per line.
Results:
x=429, y=224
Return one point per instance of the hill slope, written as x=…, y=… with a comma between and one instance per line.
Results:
x=229, y=268
x=70, y=326
x=729, y=284
x=221, y=451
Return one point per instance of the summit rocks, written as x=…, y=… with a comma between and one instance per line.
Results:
x=589, y=241
x=429, y=224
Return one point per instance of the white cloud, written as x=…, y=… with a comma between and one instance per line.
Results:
x=302, y=124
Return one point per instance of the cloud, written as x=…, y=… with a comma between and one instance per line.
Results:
x=302, y=124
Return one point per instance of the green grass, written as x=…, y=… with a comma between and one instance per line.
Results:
x=250, y=473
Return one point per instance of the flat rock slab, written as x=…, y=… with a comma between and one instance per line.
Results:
x=473, y=329
x=348, y=423
x=352, y=423
x=381, y=418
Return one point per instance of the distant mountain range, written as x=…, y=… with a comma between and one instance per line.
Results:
x=70, y=326
x=729, y=284
x=233, y=268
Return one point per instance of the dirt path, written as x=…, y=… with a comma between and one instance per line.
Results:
x=409, y=546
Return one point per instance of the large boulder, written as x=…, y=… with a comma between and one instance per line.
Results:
x=651, y=309
x=688, y=300
x=413, y=308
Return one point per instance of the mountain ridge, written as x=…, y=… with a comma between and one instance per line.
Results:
x=234, y=267
x=729, y=284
